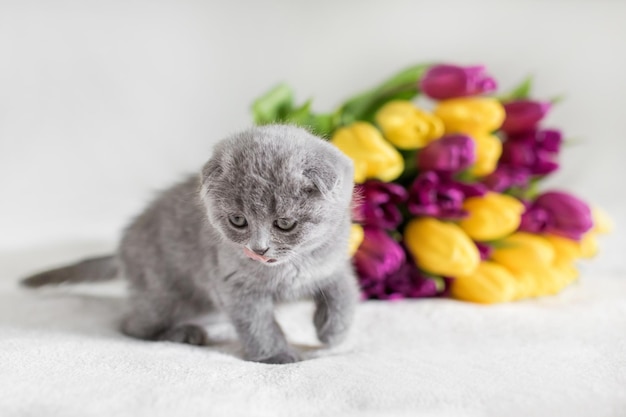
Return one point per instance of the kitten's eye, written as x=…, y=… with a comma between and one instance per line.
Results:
x=238, y=221
x=285, y=224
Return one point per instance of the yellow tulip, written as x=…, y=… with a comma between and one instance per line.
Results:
x=588, y=245
x=471, y=114
x=526, y=283
x=602, y=223
x=564, y=249
x=372, y=155
x=488, y=151
x=543, y=265
x=566, y=269
x=441, y=248
x=491, y=216
x=356, y=238
x=406, y=126
x=522, y=250
x=541, y=279
x=489, y=283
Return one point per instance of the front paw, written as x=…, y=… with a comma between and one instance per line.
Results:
x=186, y=333
x=330, y=330
x=282, y=358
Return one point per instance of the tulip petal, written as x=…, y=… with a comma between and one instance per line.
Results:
x=492, y=216
x=441, y=248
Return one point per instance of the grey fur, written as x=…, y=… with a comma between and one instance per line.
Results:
x=183, y=258
x=95, y=269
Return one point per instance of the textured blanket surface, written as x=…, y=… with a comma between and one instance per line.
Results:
x=61, y=355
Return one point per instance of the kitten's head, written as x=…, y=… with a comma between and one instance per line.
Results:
x=278, y=191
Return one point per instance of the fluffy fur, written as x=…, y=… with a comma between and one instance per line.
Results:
x=184, y=256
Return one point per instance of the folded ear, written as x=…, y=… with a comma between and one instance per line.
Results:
x=324, y=177
x=211, y=171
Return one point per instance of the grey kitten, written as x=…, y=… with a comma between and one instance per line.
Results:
x=267, y=220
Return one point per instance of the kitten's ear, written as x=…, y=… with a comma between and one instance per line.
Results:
x=211, y=171
x=323, y=177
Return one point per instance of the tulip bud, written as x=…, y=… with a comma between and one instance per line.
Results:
x=470, y=115
x=378, y=255
x=523, y=115
x=373, y=157
x=443, y=82
x=568, y=216
x=406, y=126
x=522, y=250
x=488, y=151
x=356, y=238
x=377, y=204
x=491, y=216
x=441, y=248
x=532, y=153
x=540, y=279
x=489, y=283
x=449, y=154
x=505, y=177
x=564, y=249
x=525, y=283
x=588, y=245
x=567, y=270
x=436, y=195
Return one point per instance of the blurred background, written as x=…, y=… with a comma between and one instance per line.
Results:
x=103, y=103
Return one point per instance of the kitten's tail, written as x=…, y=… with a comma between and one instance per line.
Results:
x=103, y=268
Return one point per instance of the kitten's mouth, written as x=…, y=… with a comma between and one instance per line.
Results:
x=257, y=257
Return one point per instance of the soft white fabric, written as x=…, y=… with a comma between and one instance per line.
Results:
x=61, y=355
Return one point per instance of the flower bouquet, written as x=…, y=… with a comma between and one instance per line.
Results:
x=448, y=199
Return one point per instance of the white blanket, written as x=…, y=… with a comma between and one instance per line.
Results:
x=61, y=355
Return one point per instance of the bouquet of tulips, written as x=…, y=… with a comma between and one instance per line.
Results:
x=447, y=200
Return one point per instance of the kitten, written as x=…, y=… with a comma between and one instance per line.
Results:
x=266, y=221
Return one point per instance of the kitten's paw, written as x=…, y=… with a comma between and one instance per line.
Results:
x=330, y=331
x=282, y=358
x=187, y=333
x=332, y=336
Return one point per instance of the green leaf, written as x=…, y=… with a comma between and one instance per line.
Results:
x=403, y=85
x=409, y=75
x=323, y=125
x=300, y=116
x=499, y=244
x=466, y=176
x=273, y=106
x=520, y=92
x=439, y=283
x=529, y=192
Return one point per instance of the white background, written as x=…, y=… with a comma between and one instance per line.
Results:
x=104, y=102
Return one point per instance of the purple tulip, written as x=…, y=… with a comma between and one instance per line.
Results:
x=533, y=150
x=547, y=140
x=505, y=177
x=558, y=213
x=534, y=220
x=523, y=155
x=451, y=153
x=569, y=216
x=379, y=255
x=377, y=204
x=440, y=196
x=406, y=282
x=442, y=82
x=523, y=115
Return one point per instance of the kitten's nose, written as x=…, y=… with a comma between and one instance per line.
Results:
x=260, y=251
